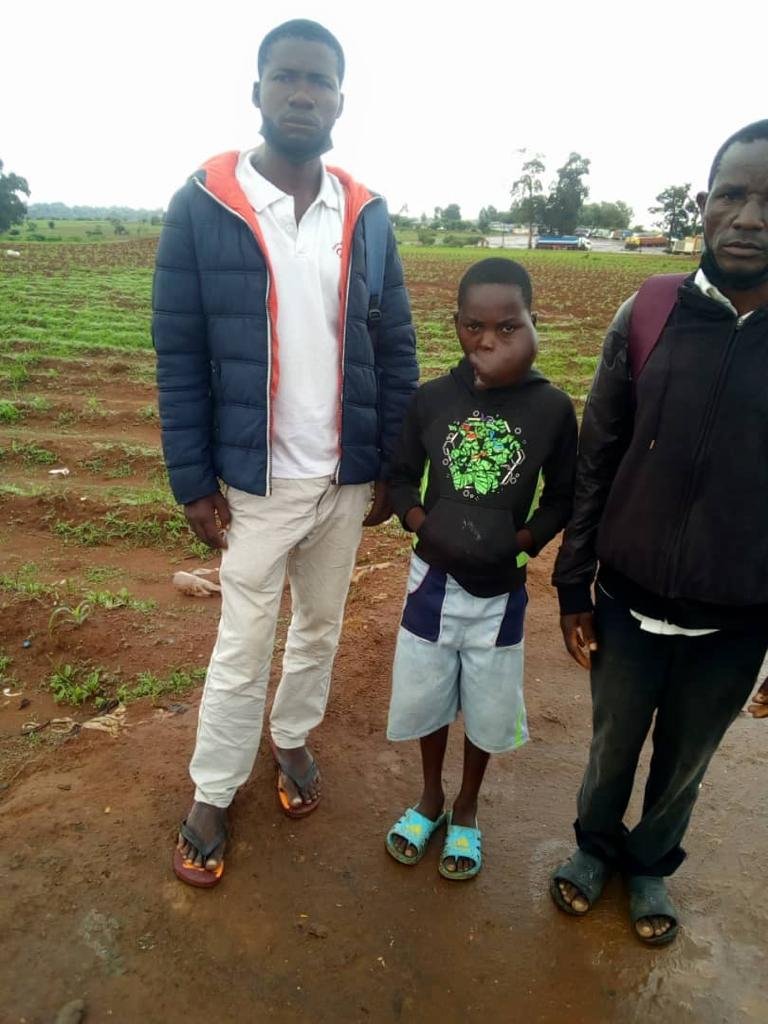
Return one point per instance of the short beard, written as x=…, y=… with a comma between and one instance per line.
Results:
x=724, y=279
x=295, y=150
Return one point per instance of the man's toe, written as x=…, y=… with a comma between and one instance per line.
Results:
x=644, y=928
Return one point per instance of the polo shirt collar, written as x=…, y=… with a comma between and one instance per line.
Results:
x=262, y=193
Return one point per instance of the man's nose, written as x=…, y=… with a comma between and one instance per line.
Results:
x=301, y=98
x=487, y=339
x=753, y=215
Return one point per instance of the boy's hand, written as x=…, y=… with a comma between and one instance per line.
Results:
x=759, y=706
x=579, y=635
x=414, y=518
x=524, y=540
x=381, y=509
x=202, y=517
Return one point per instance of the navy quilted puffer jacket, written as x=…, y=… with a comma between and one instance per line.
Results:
x=214, y=312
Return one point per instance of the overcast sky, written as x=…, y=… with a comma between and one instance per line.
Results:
x=116, y=103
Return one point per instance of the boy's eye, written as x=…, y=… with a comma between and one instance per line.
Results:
x=508, y=329
x=473, y=326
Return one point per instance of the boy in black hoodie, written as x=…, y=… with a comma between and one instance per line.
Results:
x=464, y=481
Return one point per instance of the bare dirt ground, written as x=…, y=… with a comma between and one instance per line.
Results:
x=312, y=920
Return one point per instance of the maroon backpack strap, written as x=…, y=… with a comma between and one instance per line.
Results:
x=651, y=309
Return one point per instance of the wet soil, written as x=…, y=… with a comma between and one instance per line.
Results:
x=312, y=920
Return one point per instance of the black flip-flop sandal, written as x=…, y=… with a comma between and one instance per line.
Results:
x=584, y=871
x=648, y=897
x=300, y=782
x=191, y=873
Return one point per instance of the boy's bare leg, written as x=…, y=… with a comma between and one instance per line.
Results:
x=465, y=805
x=433, y=797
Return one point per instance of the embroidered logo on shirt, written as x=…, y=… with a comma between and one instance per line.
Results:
x=482, y=454
x=338, y=249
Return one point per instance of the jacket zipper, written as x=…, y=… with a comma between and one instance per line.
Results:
x=343, y=312
x=269, y=332
x=674, y=562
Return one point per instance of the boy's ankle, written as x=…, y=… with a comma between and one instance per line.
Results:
x=464, y=812
x=431, y=804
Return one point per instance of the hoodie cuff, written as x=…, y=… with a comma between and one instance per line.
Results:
x=575, y=598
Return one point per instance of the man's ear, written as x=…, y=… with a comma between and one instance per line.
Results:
x=701, y=201
x=255, y=97
x=534, y=318
x=341, y=105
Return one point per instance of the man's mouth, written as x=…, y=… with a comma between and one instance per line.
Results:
x=739, y=247
x=297, y=122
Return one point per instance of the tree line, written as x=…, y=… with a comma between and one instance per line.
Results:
x=558, y=209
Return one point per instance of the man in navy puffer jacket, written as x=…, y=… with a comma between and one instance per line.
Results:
x=280, y=402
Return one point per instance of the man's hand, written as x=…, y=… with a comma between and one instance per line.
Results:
x=759, y=706
x=209, y=518
x=579, y=635
x=381, y=509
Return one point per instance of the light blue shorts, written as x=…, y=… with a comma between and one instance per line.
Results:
x=458, y=652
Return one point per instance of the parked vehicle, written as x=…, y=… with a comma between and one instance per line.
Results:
x=690, y=246
x=562, y=242
x=646, y=242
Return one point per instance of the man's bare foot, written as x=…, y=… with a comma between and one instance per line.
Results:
x=207, y=821
x=652, y=927
x=431, y=806
x=466, y=815
x=759, y=706
x=573, y=897
x=297, y=761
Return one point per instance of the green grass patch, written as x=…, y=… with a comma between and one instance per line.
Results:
x=29, y=453
x=147, y=684
x=76, y=684
x=165, y=528
x=118, y=599
x=101, y=574
x=25, y=580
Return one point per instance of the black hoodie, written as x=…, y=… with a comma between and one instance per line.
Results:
x=472, y=459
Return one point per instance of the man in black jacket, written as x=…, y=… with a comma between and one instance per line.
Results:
x=670, y=502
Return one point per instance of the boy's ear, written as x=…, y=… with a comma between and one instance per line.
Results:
x=534, y=318
x=456, y=319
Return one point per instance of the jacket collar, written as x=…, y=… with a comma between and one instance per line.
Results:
x=219, y=177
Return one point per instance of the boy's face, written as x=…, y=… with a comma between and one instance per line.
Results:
x=496, y=331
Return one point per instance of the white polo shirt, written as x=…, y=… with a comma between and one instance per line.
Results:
x=306, y=262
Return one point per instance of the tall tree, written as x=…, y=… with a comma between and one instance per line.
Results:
x=612, y=216
x=527, y=191
x=679, y=214
x=485, y=218
x=563, y=206
x=13, y=209
x=451, y=216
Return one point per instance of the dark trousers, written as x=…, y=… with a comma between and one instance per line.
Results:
x=696, y=686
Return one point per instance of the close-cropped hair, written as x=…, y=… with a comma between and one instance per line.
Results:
x=301, y=28
x=497, y=270
x=758, y=130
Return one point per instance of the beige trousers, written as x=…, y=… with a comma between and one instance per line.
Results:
x=311, y=529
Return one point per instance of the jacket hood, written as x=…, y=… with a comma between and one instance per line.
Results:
x=465, y=375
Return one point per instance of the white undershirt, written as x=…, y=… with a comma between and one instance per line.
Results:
x=660, y=626
x=306, y=263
